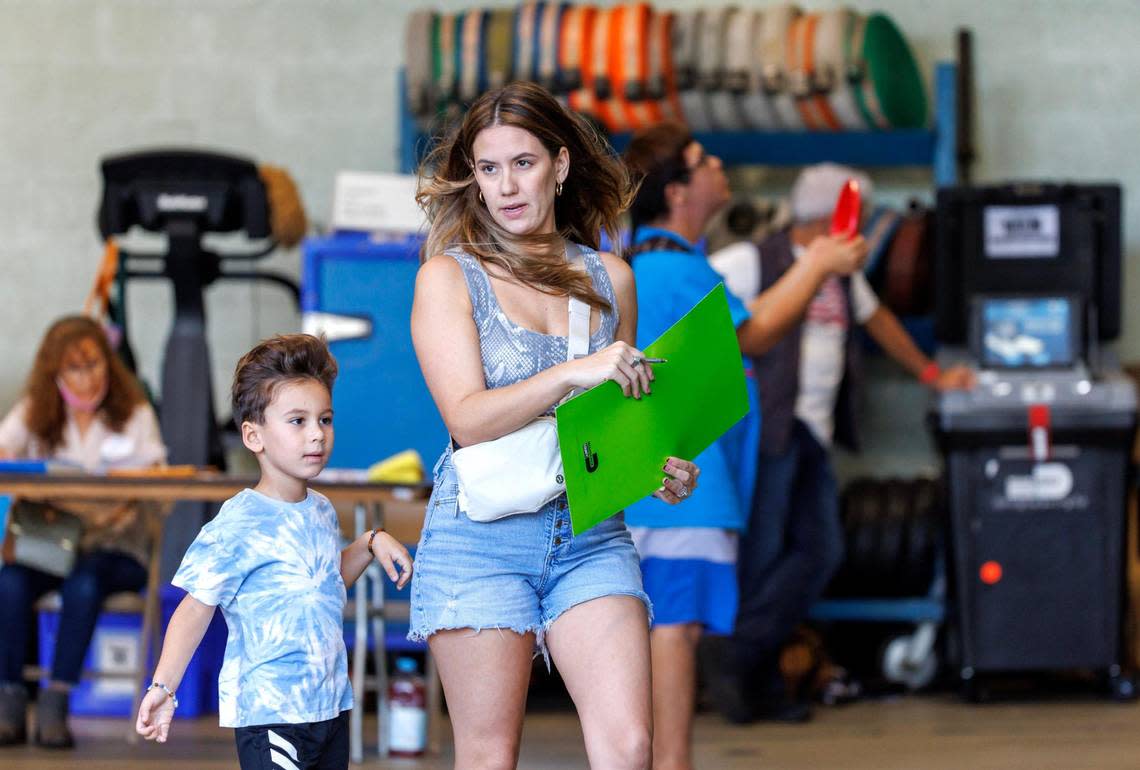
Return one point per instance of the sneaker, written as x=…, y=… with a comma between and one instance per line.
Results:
x=729, y=695
x=725, y=688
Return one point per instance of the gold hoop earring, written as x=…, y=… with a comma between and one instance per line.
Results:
x=481, y=197
x=557, y=188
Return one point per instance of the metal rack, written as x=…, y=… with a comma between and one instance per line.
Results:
x=935, y=147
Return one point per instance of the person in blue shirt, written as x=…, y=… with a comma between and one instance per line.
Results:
x=688, y=554
x=271, y=559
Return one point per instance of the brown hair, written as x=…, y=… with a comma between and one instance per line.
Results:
x=656, y=158
x=594, y=195
x=274, y=362
x=46, y=413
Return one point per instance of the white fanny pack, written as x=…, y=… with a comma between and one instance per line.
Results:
x=521, y=471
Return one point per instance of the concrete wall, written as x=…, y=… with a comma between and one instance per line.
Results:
x=311, y=86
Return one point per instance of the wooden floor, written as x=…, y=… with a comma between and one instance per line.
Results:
x=914, y=733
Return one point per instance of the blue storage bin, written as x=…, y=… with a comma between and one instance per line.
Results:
x=359, y=292
x=117, y=644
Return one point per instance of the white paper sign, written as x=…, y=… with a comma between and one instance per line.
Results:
x=377, y=203
x=1017, y=232
x=116, y=652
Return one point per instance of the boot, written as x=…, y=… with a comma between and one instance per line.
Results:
x=13, y=714
x=725, y=684
x=773, y=701
x=51, y=719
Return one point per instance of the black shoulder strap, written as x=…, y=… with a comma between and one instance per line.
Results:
x=656, y=243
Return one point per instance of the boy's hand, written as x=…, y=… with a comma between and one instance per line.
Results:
x=389, y=552
x=155, y=713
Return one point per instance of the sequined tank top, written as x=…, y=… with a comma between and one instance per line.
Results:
x=511, y=352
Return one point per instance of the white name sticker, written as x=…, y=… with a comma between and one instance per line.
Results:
x=1019, y=232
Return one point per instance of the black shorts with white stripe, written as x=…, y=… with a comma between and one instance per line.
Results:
x=303, y=746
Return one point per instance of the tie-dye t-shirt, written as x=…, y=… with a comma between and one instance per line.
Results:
x=274, y=569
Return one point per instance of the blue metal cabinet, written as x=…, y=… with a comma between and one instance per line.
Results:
x=359, y=293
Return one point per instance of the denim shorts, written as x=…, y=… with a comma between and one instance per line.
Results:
x=518, y=573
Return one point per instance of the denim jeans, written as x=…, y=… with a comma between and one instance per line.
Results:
x=95, y=576
x=793, y=547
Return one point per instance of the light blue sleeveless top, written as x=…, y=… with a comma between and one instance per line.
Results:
x=512, y=353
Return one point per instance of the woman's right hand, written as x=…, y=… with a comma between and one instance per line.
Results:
x=838, y=256
x=615, y=362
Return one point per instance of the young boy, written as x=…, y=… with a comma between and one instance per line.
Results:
x=270, y=559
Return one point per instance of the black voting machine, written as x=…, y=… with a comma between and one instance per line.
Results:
x=1038, y=455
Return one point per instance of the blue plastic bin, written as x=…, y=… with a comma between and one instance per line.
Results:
x=382, y=404
x=117, y=644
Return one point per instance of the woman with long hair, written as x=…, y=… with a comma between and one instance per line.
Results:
x=81, y=406
x=519, y=189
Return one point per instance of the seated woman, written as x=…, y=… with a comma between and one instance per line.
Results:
x=80, y=406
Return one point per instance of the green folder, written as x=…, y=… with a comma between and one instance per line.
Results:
x=613, y=447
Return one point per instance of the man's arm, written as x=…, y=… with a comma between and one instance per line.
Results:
x=885, y=329
x=777, y=310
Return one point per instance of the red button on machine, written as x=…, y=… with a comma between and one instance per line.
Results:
x=1040, y=429
x=990, y=573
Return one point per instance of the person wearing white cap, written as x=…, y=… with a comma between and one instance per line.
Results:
x=807, y=381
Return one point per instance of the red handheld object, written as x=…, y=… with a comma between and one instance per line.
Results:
x=845, y=218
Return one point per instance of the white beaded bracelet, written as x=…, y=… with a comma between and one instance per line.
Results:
x=165, y=689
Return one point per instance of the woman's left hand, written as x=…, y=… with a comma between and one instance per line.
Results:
x=680, y=482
